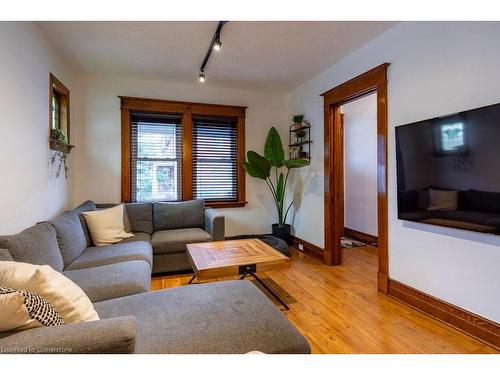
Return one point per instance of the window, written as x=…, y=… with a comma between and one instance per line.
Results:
x=452, y=136
x=156, y=155
x=55, y=114
x=58, y=106
x=173, y=151
x=215, y=163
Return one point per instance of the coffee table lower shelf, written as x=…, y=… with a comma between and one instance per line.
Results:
x=249, y=271
x=243, y=257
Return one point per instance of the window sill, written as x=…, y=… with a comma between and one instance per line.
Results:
x=225, y=204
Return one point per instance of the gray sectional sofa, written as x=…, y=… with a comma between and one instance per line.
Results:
x=224, y=317
x=168, y=227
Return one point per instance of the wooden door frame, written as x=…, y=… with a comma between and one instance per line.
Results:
x=374, y=80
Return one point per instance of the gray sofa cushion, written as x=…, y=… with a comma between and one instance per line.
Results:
x=175, y=240
x=223, y=317
x=70, y=235
x=116, y=335
x=138, y=236
x=171, y=262
x=85, y=207
x=140, y=216
x=119, y=252
x=5, y=255
x=113, y=280
x=36, y=245
x=176, y=215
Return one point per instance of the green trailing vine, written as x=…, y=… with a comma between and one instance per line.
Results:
x=62, y=157
x=61, y=149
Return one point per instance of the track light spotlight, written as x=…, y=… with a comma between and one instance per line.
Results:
x=217, y=43
x=202, y=77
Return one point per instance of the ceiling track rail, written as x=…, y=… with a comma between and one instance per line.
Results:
x=215, y=43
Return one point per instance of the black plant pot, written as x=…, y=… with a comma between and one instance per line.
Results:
x=283, y=232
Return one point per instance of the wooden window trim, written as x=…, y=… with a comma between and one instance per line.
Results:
x=56, y=86
x=187, y=110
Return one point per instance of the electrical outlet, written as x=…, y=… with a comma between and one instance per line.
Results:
x=301, y=247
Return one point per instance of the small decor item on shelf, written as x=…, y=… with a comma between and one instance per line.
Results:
x=59, y=144
x=299, y=148
x=294, y=152
x=297, y=121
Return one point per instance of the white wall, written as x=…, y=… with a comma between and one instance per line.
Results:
x=436, y=68
x=97, y=156
x=360, y=165
x=30, y=192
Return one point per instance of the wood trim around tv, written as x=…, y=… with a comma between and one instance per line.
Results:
x=463, y=320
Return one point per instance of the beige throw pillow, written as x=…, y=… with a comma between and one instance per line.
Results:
x=21, y=309
x=106, y=226
x=444, y=200
x=68, y=299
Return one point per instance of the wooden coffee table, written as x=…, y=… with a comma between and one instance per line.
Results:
x=236, y=257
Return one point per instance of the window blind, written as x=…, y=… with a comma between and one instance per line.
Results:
x=156, y=157
x=215, y=163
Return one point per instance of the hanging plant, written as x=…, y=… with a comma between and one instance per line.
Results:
x=62, y=158
x=59, y=144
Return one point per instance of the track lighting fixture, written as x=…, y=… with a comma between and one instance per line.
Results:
x=201, y=76
x=215, y=44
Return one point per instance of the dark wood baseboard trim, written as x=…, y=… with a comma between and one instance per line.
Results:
x=360, y=236
x=463, y=320
x=308, y=248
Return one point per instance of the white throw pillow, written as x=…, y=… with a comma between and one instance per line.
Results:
x=21, y=309
x=443, y=200
x=68, y=299
x=106, y=226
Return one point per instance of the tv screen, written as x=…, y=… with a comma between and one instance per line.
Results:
x=448, y=170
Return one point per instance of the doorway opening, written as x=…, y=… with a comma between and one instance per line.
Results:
x=359, y=122
x=373, y=82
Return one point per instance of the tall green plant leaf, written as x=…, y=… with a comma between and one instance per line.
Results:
x=273, y=149
x=296, y=163
x=257, y=166
x=280, y=188
x=251, y=170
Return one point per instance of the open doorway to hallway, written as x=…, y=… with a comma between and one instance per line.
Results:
x=359, y=121
x=372, y=81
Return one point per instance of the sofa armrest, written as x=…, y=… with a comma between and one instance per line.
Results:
x=215, y=224
x=114, y=335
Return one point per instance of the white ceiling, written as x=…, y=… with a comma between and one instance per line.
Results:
x=274, y=56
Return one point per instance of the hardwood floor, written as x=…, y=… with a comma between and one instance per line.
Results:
x=339, y=310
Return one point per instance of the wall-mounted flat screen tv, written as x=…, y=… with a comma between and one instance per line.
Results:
x=448, y=170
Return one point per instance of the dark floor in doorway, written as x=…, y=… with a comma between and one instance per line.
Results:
x=349, y=243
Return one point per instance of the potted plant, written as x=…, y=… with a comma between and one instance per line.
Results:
x=59, y=143
x=269, y=168
x=297, y=119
